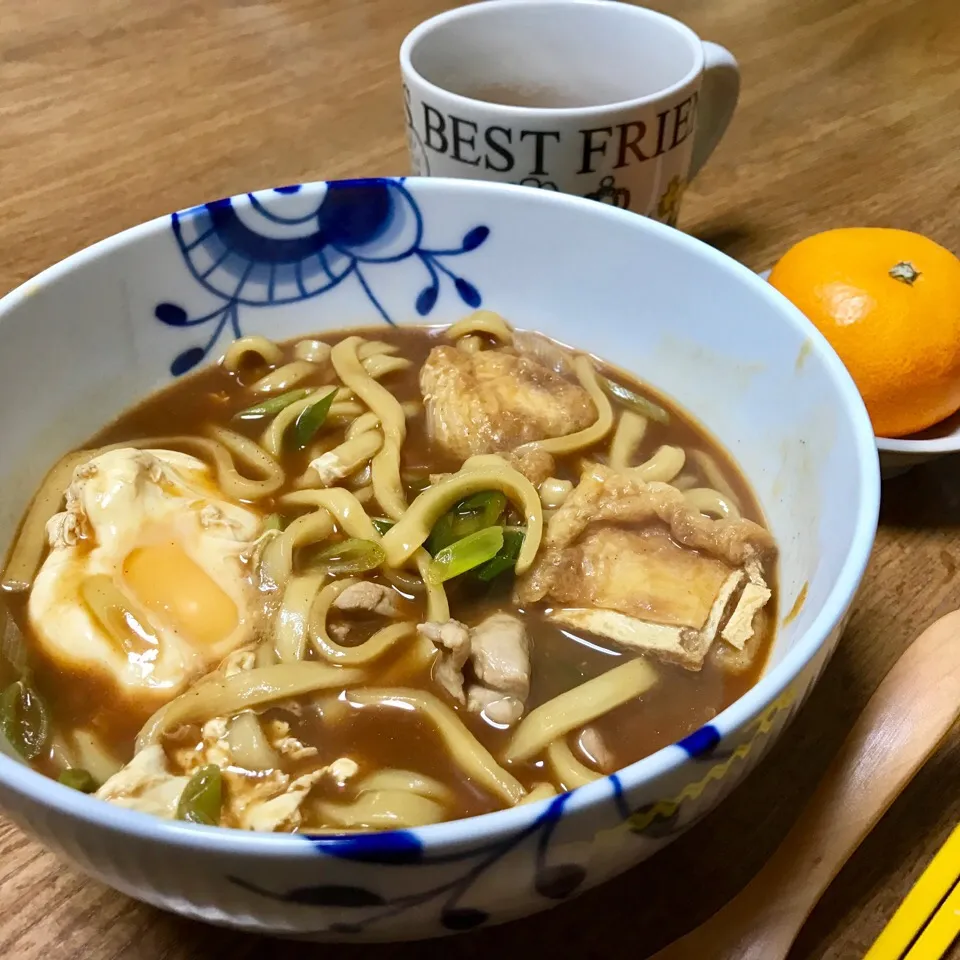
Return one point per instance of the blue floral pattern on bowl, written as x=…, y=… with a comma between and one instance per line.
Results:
x=282, y=247
x=553, y=881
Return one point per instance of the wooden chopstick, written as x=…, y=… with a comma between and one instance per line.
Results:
x=928, y=920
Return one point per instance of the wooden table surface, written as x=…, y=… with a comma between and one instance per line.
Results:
x=115, y=111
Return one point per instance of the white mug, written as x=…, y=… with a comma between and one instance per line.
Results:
x=590, y=97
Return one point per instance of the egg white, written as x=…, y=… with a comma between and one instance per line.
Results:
x=118, y=502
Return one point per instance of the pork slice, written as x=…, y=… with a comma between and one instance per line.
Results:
x=498, y=651
x=591, y=743
x=452, y=639
x=500, y=655
x=500, y=660
x=497, y=708
x=369, y=597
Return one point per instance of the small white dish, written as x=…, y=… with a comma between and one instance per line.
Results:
x=901, y=454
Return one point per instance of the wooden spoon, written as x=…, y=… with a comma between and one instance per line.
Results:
x=904, y=722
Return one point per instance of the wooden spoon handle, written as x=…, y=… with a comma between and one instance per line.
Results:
x=906, y=719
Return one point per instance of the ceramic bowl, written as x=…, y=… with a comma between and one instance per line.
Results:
x=87, y=338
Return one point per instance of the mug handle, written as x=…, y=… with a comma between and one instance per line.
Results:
x=718, y=100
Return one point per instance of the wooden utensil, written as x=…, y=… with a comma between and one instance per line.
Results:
x=904, y=722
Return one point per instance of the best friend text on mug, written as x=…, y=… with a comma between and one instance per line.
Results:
x=634, y=152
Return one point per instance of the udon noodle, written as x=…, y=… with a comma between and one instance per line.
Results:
x=371, y=580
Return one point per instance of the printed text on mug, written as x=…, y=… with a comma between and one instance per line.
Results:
x=503, y=150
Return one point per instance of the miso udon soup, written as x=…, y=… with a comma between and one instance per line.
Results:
x=377, y=579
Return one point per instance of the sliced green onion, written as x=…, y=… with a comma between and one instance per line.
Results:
x=78, y=779
x=311, y=420
x=506, y=558
x=382, y=524
x=465, y=554
x=637, y=403
x=271, y=407
x=442, y=534
x=349, y=556
x=273, y=522
x=475, y=513
x=202, y=797
x=24, y=719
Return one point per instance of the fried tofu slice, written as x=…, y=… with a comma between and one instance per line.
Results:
x=494, y=401
x=633, y=562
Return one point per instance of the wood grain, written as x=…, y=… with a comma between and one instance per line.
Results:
x=114, y=111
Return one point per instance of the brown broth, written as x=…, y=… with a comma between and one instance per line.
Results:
x=681, y=702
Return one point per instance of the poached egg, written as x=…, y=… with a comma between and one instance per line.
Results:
x=145, y=582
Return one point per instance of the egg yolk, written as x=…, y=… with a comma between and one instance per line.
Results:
x=167, y=582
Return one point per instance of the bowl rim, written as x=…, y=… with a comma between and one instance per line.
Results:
x=48, y=793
